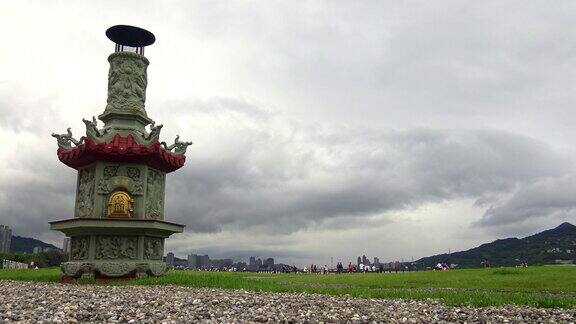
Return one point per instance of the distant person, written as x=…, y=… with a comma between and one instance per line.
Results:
x=361, y=267
x=325, y=269
x=350, y=267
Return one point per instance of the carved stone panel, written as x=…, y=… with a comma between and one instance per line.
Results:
x=133, y=173
x=158, y=268
x=154, y=195
x=103, y=187
x=137, y=188
x=120, y=177
x=110, y=171
x=153, y=248
x=115, y=269
x=79, y=248
x=116, y=247
x=85, y=193
x=127, y=82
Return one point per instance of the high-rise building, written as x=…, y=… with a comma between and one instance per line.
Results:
x=376, y=261
x=359, y=261
x=66, y=246
x=259, y=263
x=5, y=239
x=365, y=260
x=203, y=261
x=252, y=264
x=269, y=263
x=170, y=259
x=221, y=263
x=192, y=261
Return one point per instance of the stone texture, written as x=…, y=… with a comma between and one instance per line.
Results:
x=29, y=302
x=113, y=268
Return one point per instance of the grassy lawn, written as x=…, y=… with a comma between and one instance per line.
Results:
x=553, y=286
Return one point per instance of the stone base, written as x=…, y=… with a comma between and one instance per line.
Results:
x=113, y=269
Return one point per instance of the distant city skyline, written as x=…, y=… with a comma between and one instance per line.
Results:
x=203, y=261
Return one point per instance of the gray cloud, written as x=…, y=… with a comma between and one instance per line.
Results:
x=550, y=197
x=269, y=179
x=283, y=182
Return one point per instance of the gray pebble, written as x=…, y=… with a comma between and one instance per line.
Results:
x=29, y=302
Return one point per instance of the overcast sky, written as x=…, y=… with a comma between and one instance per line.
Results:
x=396, y=129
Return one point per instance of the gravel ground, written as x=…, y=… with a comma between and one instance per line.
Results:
x=57, y=303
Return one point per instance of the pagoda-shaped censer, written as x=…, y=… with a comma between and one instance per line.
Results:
x=118, y=229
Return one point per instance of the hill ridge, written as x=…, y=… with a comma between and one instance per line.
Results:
x=21, y=244
x=545, y=247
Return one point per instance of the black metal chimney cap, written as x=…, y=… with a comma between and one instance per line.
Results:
x=130, y=36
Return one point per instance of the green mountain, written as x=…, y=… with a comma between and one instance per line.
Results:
x=547, y=247
x=26, y=244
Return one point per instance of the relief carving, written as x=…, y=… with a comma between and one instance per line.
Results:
x=85, y=194
x=133, y=173
x=110, y=171
x=77, y=269
x=153, y=248
x=127, y=81
x=79, y=248
x=116, y=247
x=154, y=195
x=112, y=181
x=138, y=188
x=103, y=187
x=158, y=269
x=115, y=269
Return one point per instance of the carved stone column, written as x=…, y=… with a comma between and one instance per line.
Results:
x=127, y=82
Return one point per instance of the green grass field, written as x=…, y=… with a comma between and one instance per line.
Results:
x=553, y=286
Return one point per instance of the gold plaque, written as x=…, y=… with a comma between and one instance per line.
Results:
x=120, y=204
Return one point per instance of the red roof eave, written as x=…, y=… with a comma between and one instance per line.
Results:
x=124, y=150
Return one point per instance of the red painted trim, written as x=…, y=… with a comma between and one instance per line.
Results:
x=124, y=150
